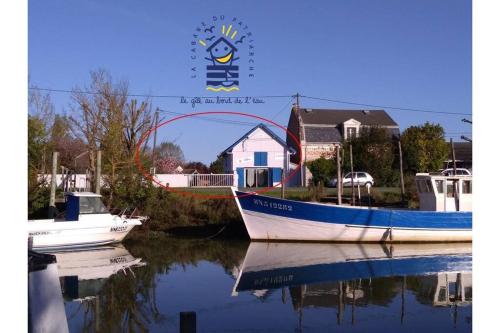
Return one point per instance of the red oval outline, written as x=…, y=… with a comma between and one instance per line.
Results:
x=208, y=196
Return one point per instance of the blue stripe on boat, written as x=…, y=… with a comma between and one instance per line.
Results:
x=387, y=218
x=345, y=271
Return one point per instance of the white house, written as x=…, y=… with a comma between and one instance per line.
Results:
x=258, y=158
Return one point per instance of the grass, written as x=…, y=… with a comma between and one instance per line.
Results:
x=380, y=194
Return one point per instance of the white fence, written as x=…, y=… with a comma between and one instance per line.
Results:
x=78, y=181
x=81, y=183
x=197, y=180
x=211, y=180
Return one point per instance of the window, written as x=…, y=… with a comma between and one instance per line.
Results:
x=257, y=177
x=450, y=189
x=424, y=186
x=361, y=175
x=440, y=186
x=350, y=132
x=260, y=158
x=466, y=186
x=92, y=205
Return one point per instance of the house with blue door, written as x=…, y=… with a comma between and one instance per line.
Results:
x=258, y=158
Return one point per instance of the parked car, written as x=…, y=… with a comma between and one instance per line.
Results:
x=460, y=171
x=359, y=178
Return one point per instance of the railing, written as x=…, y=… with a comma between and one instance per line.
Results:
x=210, y=180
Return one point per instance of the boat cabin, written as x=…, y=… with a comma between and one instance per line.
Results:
x=441, y=193
x=79, y=203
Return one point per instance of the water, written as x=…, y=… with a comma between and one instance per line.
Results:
x=236, y=286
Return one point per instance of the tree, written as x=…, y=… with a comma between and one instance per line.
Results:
x=63, y=141
x=322, y=170
x=40, y=115
x=373, y=152
x=170, y=150
x=167, y=165
x=198, y=166
x=424, y=148
x=217, y=166
x=110, y=122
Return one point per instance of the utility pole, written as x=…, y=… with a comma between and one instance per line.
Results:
x=353, y=197
x=303, y=161
x=153, y=158
x=339, y=178
x=401, y=176
x=453, y=157
x=53, y=186
x=98, y=173
x=282, y=183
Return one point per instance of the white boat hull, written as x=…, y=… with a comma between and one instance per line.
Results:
x=273, y=219
x=50, y=235
x=276, y=228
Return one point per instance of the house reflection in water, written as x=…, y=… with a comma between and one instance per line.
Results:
x=440, y=290
x=446, y=289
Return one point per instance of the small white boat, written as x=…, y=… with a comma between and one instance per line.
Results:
x=87, y=223
x=445, y=216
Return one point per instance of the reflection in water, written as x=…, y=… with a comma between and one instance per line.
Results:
x=237, y=286
x=87, y=275
x=355, y=275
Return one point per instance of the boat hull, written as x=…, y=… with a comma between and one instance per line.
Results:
x=273, y=219
x=50, y=235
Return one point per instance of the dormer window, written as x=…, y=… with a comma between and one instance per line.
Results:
x=351, y=133
x=351, y=129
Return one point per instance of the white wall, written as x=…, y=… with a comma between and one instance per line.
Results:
x=80, y=180
x=173, y=180
x=259, y=141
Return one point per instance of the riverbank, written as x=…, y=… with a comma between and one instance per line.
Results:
x=195, y=216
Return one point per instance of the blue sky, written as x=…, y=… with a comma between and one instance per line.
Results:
x=413, y=54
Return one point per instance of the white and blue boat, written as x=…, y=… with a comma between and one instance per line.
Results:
x=445, y=215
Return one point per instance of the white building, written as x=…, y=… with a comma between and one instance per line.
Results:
x=258, y=158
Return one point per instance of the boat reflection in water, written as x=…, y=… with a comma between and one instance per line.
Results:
x=83, y=273
x=356, y=275
x=77, y=277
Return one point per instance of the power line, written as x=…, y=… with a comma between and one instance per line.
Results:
x=383, y=106
x=282, y=109
x=217, y=120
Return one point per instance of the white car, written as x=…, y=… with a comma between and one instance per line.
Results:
x=460, y=172
x=359, y=178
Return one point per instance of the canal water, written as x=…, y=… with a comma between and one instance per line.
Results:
x=238, y=286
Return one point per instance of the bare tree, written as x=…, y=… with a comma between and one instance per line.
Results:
x=110, y=122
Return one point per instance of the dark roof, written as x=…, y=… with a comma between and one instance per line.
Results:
x=189, y=171
x=335, y=117
x=265, y=129
x=322, y=134
x=463, y=151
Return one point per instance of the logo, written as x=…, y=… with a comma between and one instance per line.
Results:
x=223, y=53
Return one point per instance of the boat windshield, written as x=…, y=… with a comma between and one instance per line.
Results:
x=92, y=205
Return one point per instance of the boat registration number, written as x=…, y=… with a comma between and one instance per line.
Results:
x=118, y=229
x=274, y=205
